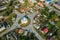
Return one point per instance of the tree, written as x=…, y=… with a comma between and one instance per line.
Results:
x=58, y=34
x=13, y=15
x=9, y=9
x=37, y=0
x=46, y=8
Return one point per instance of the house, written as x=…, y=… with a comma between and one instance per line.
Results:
x=5, y=24
x=57, y=2
x=13, y=19
x=50, y=38
x=53, y=23
x=21, y=9
x=25, y=33
x=6, y=18
x=37, y=26
x=36, y=18
x=20, y=31
x=1, y=17
x=57, y=5
x=41, y=3
x=3, y=4
x=34, y=22
x=2, y=27
x=44, y=30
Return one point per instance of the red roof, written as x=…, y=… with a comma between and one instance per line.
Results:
x=40, y=3
x=45, y=30
x=19, y=31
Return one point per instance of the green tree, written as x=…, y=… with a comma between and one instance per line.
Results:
x=58, y=34
x=9, y=9
x=37, y=0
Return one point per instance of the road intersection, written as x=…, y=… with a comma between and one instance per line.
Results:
x=29, y=27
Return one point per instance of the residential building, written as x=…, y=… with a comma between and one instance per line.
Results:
x=20, y=31
x=2, y=27
x=37, y=26
x=44, y=30
x=41, y=3
x=25, y=33
x=3, y=4
x=57, y=5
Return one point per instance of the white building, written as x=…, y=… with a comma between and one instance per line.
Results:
x=1, y=16
x=36, y=26
x=2, y=28
x=25, y=33
x=24, y=20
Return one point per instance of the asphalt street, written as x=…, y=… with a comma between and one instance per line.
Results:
x=29, y=27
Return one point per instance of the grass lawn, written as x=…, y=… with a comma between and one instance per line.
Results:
x=3, y=38
x=58, y=24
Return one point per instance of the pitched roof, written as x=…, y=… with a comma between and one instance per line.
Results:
x=44, y=30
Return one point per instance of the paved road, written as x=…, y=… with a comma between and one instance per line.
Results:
x=13, y=26
x=29, y=27
x=2, y=8
x=58, y=12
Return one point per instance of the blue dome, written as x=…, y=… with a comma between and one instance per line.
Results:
x=26, y=16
